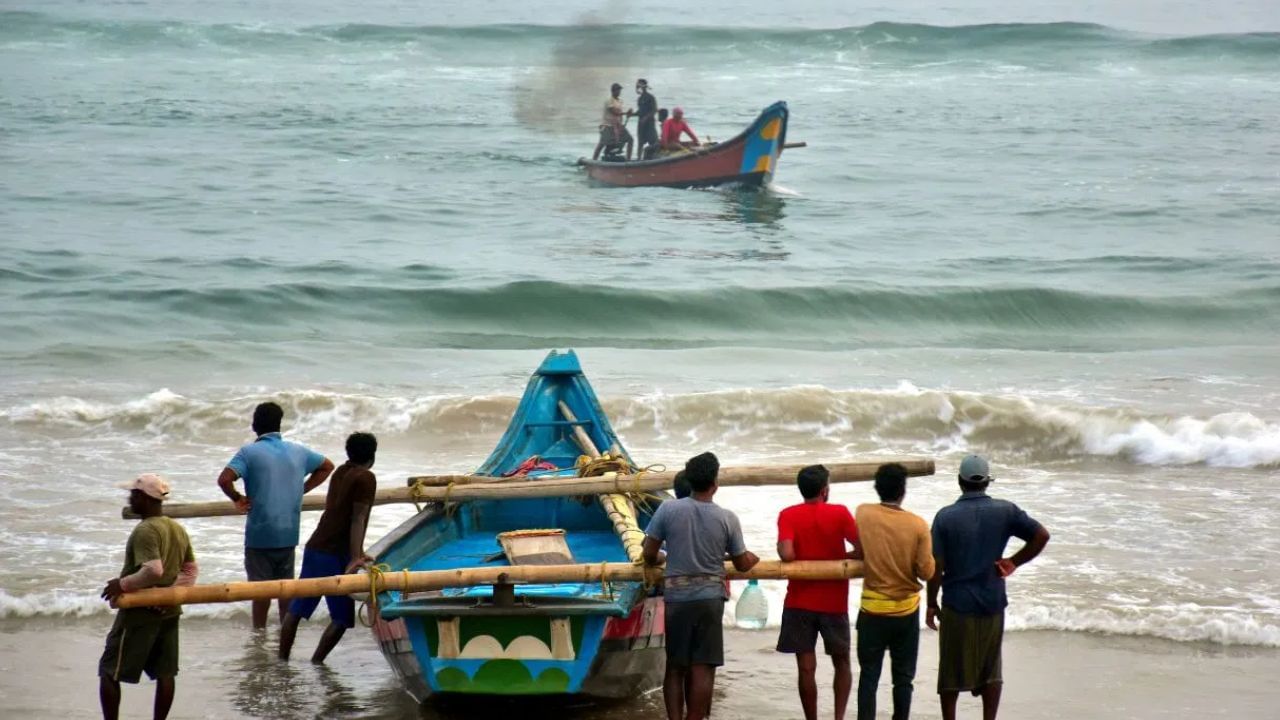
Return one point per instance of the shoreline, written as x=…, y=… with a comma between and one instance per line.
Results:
x=229, y=671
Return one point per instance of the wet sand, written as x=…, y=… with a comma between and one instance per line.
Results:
x=47, y=671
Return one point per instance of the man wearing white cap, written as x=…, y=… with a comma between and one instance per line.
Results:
x=969, y=538
x=158, y=554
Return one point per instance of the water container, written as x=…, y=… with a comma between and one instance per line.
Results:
x=752, y=611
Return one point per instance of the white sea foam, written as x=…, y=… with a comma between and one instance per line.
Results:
x=67, y=603
x=1183, y=623
x=907, y=418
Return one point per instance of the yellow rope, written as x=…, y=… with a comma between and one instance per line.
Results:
x=416, y=492
x=449, y=510
x=606, y=588
x=369, y=608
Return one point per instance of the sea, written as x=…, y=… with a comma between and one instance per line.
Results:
x=1048, y=233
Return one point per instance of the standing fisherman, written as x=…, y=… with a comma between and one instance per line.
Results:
x=158, y=554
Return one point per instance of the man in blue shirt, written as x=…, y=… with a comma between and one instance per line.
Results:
x=969, y=538
x=275, y=474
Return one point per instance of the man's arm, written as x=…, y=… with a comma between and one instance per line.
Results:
x=851, y=536
x=187, y=574
x=787, y=550
x=745, y=561
x=359, y=524
x=652, y=551
x=924, y=563
x=227, y=481
x=935, y=582
x=786, y=538
x=318, y=476
x=1038, y=540
x=691, y=135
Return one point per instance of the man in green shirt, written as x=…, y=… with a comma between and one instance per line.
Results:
x=158, y=554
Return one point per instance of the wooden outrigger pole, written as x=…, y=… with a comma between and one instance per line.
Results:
x=450, y=488
x=421, y=581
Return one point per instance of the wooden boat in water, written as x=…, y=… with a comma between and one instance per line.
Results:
x=749, y=159
x=536, y=639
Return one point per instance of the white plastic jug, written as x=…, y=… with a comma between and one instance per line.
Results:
x=752, y=611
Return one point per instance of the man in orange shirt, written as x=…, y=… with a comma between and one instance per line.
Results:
x=898, y=555
x=817, y=530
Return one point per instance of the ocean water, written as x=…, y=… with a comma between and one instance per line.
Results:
x=1044, y=234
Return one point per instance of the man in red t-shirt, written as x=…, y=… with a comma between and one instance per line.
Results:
x=817, y=530
x=673, y=129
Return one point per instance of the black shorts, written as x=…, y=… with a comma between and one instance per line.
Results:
x=800, y=630
x=648, y=134
x=610, y=135
x=269, y=563
x=695, y=633
x=140, y=639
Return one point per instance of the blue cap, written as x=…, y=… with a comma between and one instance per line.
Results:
x=974, y=469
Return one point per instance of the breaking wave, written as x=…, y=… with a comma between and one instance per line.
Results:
x=1043, y=43
x=756, y=421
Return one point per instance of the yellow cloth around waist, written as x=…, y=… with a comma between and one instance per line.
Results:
x=881, y=604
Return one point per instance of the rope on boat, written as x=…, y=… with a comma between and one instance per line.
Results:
x=368, y=613
x=418, y=489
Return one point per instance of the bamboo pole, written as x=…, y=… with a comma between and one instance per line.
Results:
x=619, y=508
x=741, y=476
x=421, y=581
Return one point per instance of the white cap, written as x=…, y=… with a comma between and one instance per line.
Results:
x=150, y=483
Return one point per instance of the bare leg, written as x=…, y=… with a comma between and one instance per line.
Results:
x=328, y=641
x=673, y=692
x=991, y=700
x=165, y=688
x=282, y=609
x=599, y=146
x=806, y=669
x=843, y=683
x=948, y=702
x=288, y=631
x=702, y=681
x=109, y=696
x=260, y=610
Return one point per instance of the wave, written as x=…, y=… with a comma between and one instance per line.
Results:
x=1177, y=623
x=79, y=603
x=507, y=44
x=532, y=314
x=743, y=421
x=1182, y=623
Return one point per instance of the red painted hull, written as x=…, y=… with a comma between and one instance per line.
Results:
x=748, y=159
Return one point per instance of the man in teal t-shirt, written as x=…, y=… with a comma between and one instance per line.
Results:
x=276, y=474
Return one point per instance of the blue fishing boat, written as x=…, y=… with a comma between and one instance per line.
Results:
x=535, y=639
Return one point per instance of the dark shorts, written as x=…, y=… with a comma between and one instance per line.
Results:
x=342, y=609
x=695, y=633
x=609, y=135
x=140, y=639
x=800, y=630
x=648, y=133
x=269, y=563
x=969, y=651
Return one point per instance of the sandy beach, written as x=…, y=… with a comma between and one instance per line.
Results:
x=227, y=671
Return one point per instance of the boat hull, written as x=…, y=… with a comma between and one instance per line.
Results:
x=749, y=159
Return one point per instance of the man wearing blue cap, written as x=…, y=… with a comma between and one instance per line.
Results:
x=969, y=538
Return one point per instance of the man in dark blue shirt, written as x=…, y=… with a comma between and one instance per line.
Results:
x=969, y=538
